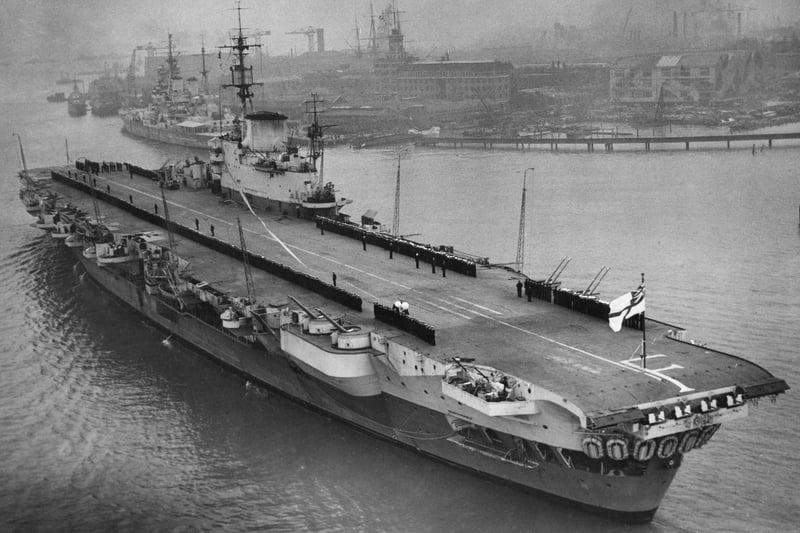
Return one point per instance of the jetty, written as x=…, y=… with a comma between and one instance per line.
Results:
x=605, y=142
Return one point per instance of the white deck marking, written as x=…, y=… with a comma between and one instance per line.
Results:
x=654, y=374
x=467, y=309
x=478, y=306
x=448, y=310
x=635, y=357
x=578, y=350
x=660, y=373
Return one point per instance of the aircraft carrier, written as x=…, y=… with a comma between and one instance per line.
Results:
x=580, y=419
x=426, y=347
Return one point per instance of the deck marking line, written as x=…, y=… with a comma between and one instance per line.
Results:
x=653, y=374
x=477, y=305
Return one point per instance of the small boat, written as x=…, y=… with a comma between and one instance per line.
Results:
x=76, y=103
x=73, y=240
x=63, y=230
x=45, y=221
x=57, y=97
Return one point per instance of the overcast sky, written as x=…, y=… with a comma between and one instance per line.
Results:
x=68, y=28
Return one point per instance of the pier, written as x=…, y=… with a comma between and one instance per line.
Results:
x=606, y=143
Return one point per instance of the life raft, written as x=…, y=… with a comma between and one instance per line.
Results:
x=643, y=450
x=667, y=447
x=688, y=440
x=593, y=447
x=705, y=435
x=617, y=449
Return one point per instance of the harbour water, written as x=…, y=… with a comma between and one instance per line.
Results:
x=109, y=425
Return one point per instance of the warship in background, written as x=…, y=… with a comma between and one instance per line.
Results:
x=495, y=395
x=106, y=95
x=175, y=116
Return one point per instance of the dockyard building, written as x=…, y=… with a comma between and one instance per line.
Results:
x=456, y=80
x=682, y=78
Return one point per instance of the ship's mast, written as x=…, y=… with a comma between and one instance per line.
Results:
x=22, y=155
x=316, y=149
x=248, y=274
x=205, y=71
x=241, y=76
x=520, y=260
x=358, y=40
x=173, y=263
x=172, y=246
x=396, y=218
x=170, y=64
x=373, y=36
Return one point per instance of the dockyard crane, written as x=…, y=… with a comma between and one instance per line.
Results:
x=627, y=19
x=314, y=36
x=258, y=35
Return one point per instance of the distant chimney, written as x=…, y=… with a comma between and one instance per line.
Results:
x=684, y=25
x=320, y=39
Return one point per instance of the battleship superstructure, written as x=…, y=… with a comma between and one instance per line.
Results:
x=175, y=116
x=537, y=393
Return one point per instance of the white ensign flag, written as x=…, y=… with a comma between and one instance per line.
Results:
x=628, y=305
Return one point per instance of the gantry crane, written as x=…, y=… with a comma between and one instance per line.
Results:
x=315, y=38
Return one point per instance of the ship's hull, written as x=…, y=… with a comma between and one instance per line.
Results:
x=164, y=135
x=76, y=110
x=396, y=413
x=105, y=109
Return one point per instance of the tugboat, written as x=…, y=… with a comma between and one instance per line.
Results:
x=76, y=103
x=56, y=97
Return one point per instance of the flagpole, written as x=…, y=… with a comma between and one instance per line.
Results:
x=644, y=332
